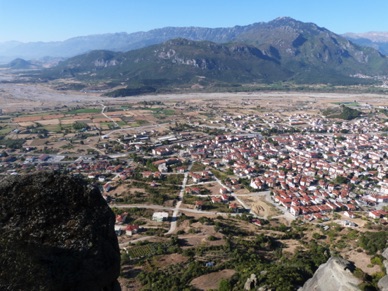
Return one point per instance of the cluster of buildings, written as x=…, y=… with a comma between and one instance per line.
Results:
x=342, y=167
x=312, y=165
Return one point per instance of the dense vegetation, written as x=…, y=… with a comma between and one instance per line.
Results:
x=374, y=242
x=343, y=112
x=131, y=91
x=243, y=251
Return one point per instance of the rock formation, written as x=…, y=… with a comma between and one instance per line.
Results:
x=251, y=282
x=383, y=282
x=335, y=274
x=56, y=233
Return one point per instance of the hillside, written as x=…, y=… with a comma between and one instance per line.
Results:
x=314, y=52
x=178, y=62
x=21, y=64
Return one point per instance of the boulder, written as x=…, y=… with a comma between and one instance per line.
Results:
x=57, y=233
x=335, y=274
x=383, y=283
x=385, y=254
x=251, y=282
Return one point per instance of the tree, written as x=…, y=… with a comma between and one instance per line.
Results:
x=80, y=125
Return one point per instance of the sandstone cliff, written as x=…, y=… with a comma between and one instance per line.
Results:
x=56, y=233
x=335, y=274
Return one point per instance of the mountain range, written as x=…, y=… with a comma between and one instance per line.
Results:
x=280, y=50
x=124, y=42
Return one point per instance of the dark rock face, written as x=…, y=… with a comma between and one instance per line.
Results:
x=56, y=233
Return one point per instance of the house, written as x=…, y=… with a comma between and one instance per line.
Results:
x=118, y=230
x=348, y=223
x=233, y=206
x=256, y=221
x=216, y=199
x=131, y=230
x=107, y=187
x=295, y=210
x=349, y=214
x=146, y=174
x=120, y=218
x=256, y=184
x=162, y=151
x=198, y=205
x=224, y=198
x=196, y=177
x=377, y=214
x=163, y=168
x=223, y=191
x=160, y=216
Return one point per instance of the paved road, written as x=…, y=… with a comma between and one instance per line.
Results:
x=287, y=215
x=174, y=217
x=166, y=208
x=236, y=197
x=125, y=244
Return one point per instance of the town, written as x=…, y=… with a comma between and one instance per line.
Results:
x=189, y=176
x=307, y=165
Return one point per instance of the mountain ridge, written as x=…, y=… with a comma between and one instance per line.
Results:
x=122, y=41
x=282, y=50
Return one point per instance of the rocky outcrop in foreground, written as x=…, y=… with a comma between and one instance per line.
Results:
x=335, y=274
x=56, y=233
x=383, y=282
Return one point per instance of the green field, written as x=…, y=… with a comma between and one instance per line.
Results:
x=5, y=130
x=53, y=128
x=352, y=104
x=147, y=250
x=161, y=111
x=84, y=110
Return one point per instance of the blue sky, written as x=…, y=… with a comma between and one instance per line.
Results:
x=51, y=20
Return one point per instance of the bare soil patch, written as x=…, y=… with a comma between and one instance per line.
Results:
x=198, y=234
x=129, y=283
x=167, y=260
x=48, y=121
x=212, y=280
x=362, y=261
x=260, y=206
x=37, y=117
x=290, y=245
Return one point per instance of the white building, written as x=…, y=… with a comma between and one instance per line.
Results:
x=160, y=216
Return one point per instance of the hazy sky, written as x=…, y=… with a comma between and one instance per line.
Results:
x=50, y=20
